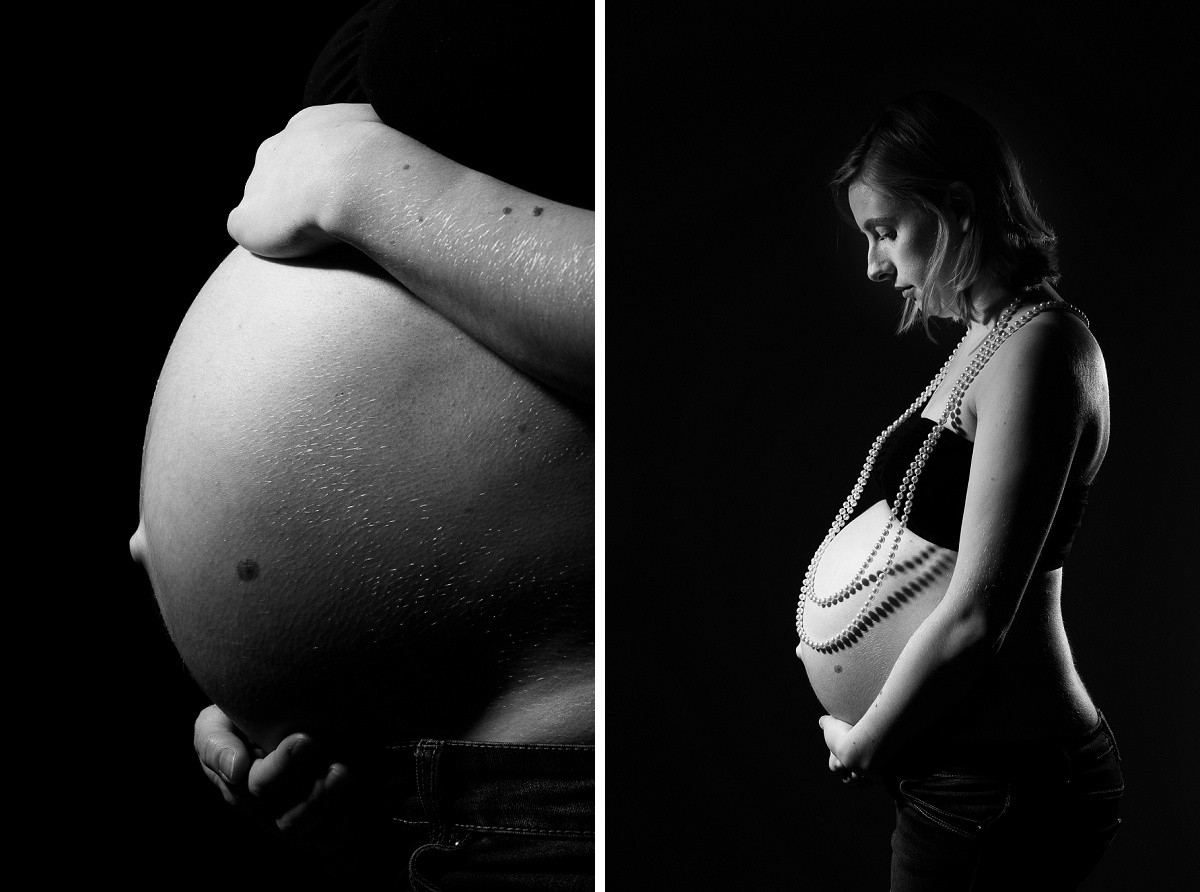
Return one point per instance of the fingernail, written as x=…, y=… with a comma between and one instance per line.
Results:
x=335, y=776
x=299, y=747
x=225, y=766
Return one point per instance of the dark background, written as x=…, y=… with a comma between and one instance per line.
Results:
x=145, y=142
x=773, y=365
x=749, y=365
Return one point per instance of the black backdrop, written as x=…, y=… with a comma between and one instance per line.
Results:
x=771, y=364
x=749, y=364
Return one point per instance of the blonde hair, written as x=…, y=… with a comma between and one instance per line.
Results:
x=932, y=150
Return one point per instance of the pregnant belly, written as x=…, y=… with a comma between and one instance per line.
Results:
x=357, y=521
x=847, y=679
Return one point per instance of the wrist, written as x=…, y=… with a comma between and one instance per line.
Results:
x=855, y=754
x=384, y=186
x=350, y=178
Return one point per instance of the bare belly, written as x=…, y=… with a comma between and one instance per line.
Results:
x=1031, y=689
x=358, y=521
x=847, y=680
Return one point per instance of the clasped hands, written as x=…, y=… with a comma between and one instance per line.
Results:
x=841, y=757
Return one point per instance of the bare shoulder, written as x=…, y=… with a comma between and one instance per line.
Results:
x=1055, y=348
x=1055, y=364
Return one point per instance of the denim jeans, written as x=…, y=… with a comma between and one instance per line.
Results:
x=1015, y=816
x=453, y=816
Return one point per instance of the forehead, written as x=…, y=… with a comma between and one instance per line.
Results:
x=868, y=203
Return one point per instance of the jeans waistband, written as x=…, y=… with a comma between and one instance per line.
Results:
x=501, y=787
x=1048, y=756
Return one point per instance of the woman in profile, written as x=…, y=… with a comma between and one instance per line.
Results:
x=930, y=618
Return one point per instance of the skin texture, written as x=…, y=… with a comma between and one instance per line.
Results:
x=900, y=239
x=846, y=681
x=1038, y=415
x=514, y=270
x=361, y=524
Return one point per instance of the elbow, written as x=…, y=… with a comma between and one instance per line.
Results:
x=578, y=382
x=973, y=635
x=574, y=371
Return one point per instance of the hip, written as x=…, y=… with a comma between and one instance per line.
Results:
x=997, y=815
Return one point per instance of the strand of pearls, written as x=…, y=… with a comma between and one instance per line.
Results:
x=847, y=509
x=1004, y=328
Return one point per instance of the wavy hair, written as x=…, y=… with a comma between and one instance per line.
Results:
x=914, y=151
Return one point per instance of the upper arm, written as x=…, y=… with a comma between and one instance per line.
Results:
x=1032, y=409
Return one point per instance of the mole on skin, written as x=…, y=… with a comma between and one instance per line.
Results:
x=247, y=570
x=537, y=212
x=508, y=210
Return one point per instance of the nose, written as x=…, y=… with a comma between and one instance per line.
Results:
x=879, y=268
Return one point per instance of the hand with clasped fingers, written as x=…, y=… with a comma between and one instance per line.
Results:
x=292, y=787
x=293, y=197
x=841, y=759
x=296, y=791
x=514, y=270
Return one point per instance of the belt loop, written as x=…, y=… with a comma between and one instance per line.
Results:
x=428, y=755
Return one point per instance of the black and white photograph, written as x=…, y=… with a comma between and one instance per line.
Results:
x=549, y=447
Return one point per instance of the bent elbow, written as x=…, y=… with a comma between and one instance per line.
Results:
x=973, y=634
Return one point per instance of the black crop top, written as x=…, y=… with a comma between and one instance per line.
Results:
x=941, y=494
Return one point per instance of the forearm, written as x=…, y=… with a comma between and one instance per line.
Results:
x=938, y=666
x=514, y=271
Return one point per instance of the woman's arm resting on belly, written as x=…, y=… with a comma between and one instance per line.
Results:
x=1031, y=414
x=515, y=271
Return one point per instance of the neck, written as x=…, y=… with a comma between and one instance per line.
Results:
x=990, y=302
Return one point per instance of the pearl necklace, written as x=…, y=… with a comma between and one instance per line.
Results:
x=1004, y=328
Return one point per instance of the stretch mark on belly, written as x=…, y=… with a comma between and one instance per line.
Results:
x=247, y=570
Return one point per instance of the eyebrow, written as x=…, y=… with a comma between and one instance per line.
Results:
x=879, y=221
